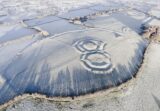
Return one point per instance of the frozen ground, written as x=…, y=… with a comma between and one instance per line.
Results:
x=45, y=48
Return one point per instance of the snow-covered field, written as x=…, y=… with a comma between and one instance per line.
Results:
x=76, y=47
x=21, y=9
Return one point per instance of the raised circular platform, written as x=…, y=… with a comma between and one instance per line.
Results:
x=72, y=64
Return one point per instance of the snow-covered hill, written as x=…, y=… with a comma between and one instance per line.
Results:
x=76, y=47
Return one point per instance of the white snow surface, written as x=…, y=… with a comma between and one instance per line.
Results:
x=15, y=38
x=13, y=10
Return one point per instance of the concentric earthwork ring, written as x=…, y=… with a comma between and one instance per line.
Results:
x=89, y=45
x=97, y=62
